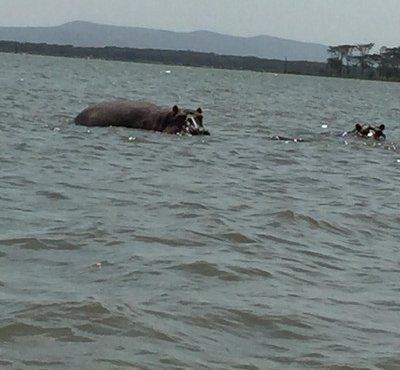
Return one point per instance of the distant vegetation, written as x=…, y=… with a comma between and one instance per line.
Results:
x=354, y=61
x=184, y=58
x=357, y=61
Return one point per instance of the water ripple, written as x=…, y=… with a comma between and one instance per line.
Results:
x=38, y=244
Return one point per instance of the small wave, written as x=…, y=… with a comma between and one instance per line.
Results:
x=277, y=326
x=117, y=363
x=187, y=215
x=67, y=309
x=17, y=181
x=253, y=272
x=53, y=195
x=42, y=363
x=5, y=363
x=206, y=269
x=347, y=367
x=298, y=218
x=391, y=305
x=251, y=319
x=280, y=240
x=37, y=244
x=91, y=318
x=8, y=332
x=20, y=329
x=189, y=205
x=237, y=237
x=166, y=241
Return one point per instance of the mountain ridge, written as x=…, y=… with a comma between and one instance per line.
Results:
x=88, y=34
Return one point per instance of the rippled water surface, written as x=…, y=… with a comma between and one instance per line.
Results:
x=128, y=249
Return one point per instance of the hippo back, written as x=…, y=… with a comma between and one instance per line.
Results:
x=121, y=113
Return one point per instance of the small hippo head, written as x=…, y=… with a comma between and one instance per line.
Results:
x=358, y=128
x=368, y=131
x=188, y=122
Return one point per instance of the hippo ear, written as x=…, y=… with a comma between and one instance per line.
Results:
x=199, y=111
x=175, y=109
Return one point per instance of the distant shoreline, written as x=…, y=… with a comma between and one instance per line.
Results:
x=172, y=57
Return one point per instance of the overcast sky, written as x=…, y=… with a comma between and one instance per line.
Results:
x=330, y=22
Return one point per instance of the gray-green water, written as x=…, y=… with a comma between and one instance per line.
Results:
x=126, y=249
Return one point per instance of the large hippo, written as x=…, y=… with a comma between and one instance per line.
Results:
x=141, y=115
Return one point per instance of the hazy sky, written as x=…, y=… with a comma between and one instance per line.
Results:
x=329, y=22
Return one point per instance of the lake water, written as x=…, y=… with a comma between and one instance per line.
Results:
x=128, y=249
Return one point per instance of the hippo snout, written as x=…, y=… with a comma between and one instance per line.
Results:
x=194, y=126
x=199, y=131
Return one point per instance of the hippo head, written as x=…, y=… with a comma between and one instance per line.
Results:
x=189, y=122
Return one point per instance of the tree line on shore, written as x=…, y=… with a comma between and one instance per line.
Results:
x=358, y=61
x=353, y=61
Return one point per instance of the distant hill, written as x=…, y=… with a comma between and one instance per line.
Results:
x=98, y=35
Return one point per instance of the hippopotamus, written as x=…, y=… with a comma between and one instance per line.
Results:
x=369, y=131
x=134, y=114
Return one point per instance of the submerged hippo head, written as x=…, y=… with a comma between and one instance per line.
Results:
x=186, y=122
x=369, y=131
